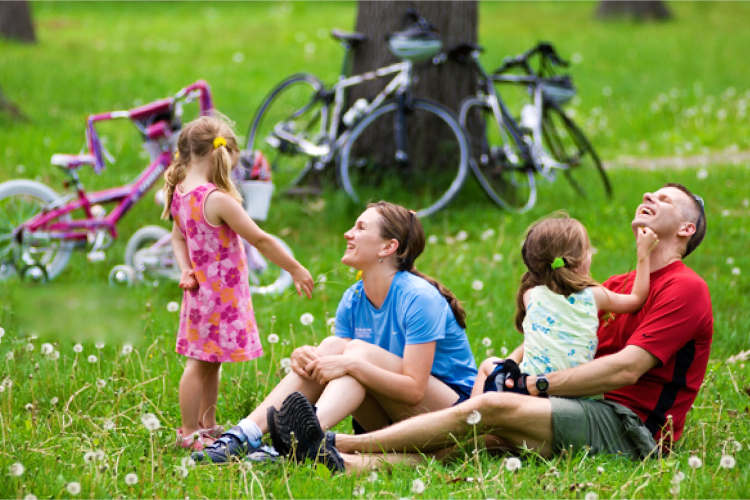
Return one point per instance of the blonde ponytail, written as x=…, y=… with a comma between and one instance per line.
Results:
x=221, y=172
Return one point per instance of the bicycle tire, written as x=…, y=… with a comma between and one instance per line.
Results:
x=573, y=148
x=508, y=181
x=425, y=182
x=279, y=280
x=14, y=212
x=288, y=165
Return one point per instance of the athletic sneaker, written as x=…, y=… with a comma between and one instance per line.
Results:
x=297, y=417
x=234, y=443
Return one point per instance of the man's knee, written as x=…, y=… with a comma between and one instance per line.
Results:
x=497, y=403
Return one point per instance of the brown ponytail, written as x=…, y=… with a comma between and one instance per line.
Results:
x=556, y=236
x=404, y=226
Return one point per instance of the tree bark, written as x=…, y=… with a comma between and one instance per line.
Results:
x=15, y=21
x=448, y=83
x=639, y=10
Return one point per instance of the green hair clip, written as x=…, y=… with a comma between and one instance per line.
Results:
x=558, y=262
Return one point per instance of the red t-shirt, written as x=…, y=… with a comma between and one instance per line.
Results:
x=676, y=326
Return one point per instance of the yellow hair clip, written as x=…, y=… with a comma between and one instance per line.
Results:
x=219, y=141
x=176, y=155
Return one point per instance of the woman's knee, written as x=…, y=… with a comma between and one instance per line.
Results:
x=332, y=346
x=488, y=365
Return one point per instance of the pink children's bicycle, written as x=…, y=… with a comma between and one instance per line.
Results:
x=38, y=231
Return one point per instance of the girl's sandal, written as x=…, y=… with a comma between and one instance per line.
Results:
x=194, y=442
x=214, y=432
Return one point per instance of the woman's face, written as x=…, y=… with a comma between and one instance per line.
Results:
x=363, y=241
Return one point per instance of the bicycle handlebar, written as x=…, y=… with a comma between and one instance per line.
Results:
x=143, y=116
x=545, y=49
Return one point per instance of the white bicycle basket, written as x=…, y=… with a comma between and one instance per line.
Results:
x=257, y=196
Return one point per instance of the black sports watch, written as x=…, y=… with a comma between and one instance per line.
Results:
x=542, y=385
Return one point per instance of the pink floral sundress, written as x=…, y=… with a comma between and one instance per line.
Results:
x=217, y=322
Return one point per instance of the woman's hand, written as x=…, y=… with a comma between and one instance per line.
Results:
x=187, y=280
x=301, y=358
x=328, y=368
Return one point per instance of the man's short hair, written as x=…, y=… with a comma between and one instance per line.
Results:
x=700, y=222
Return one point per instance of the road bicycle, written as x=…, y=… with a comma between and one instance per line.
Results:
x=423, y=160
x=508, y=154
x=38, y=232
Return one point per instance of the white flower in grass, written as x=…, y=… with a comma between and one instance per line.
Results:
x=30, y=496
x=99, y=345
x=29, y=407
x=461, y=236
x=246, y=465
x=489, y=233
x=372, y=477
x=17, y=469
x=101, y=383
x=92, y=359
x=725, y=213
x=100, y=455
x=737, y=445
x=498, y=257
x=8, y=382
x=287, y=370
x=73, y=488
x=503, y=351
x=331, y=322
x=131, y=479
x=108, y=425
x=55, y=355
x=47, y=349
x=238, y=57
x=735, y=271
x=2, y=388
x=126, y=349
x=183, y=472
x=730, y=261
x=358, y=491
x=474, y=418
x=745, y=203
x=273, y=338
x=306, y=319
x=486, y=342
x=727, y=462
x=89, y=457
x=78, y=348
x=285, y=362
x=432, y=239
x=675, y=490
x=678, y=477
x=695, y=462
x=600, y=470
x=29, y=347
x=150, y=421
x=54, y=400
x=513, y=464
x=477, y=285
x=9, y=356
x=2, y=332
x=187, y=462
x=591, y=496
x=417, y=487
x=173, y=307
x=702, y=174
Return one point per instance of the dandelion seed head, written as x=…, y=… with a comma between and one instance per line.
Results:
x=498, y=257
x=2, y=332
x=287, y=370
x=730, y=261
x=9, y=356
x=246, y=465
x=187, y=462
x=513, y=464
x=152, y=425
x=462, y=235
x=73, y=488
x=503, y=351
x=131, y=479
x=486, y=342
x=2, y=388
x=285, y=362
x=99, y=345
x=127, y=349
x=736, y=271
x=101, y=383
x=100, y=455
x=47, y=349
x=30, y=496
x=600, y=470
x=474, y=418
x=29, y=347
x=17, y=469
x=306, y=319
x=183, y=472
x=273, y=338
x=54, y=400
x=29, y=407
x=417, y=487
x=591, y=496
x=173, y=307
x=238, y=57
x=358, y=491
x=108, y=425
x=432, y=239
x=89, y=456
x=55, y=355
x=78, y=348
x=92, y=359
x=477, y=285
x=737, y=445
x=675, y=489
x=702, y=174
x=8, y=382
x=695, y=462
x=489, y=233
x=678, y=477
x=372, y=477
x=727, y=462
x=331, y=322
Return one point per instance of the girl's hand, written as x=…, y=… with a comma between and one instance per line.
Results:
x=646, y=240
x=328, y=368
x=301, y=358
x=303, y=281
x=187, y=280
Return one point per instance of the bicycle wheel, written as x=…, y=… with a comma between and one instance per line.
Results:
x=497, y=159
x=294, y=108
x=20, y=200
x=568, y=145
x=437, y=162
x=266, y=278
x=150, y=262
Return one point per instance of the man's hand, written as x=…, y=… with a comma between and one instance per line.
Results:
x=301, y=358
x=187, y=280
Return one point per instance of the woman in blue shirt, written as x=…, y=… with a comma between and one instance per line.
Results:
x=400, y=346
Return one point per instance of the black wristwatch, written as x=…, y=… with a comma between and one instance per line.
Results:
x=542, y=385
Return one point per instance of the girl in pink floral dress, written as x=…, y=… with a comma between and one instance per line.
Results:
x=217, y=323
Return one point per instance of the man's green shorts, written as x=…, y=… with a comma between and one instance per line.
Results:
x=603, y=426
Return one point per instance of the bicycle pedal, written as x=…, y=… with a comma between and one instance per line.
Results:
x=95, y=256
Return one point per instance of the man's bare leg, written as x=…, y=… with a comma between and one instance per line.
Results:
x=516, y=419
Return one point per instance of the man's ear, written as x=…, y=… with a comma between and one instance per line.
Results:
x=687, y=229
x=389, y=248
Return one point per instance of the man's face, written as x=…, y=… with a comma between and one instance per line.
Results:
x=663, y=212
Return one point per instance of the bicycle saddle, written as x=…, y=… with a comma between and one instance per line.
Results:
x=352, y=38
x=72, y=161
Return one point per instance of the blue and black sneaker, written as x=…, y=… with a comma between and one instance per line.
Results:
x=234, y=444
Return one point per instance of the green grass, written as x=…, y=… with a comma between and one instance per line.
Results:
x=95, y=57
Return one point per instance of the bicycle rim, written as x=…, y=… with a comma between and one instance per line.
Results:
x=436, y=165
x=498, y=164
x=569, y=146
x=266, y=278
x=293, y=106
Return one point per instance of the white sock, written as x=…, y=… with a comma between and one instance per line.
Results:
x=251, y=430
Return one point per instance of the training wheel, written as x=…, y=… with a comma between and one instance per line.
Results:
x=35, y=273
x=122, y=275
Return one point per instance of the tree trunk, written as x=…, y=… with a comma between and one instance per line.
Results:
x=639, y=10
x=15, y=21
x=448, y=83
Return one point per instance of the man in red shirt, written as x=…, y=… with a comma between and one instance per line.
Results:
x=650, y=366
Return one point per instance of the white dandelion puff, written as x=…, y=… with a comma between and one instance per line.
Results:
x=285, y=362
x=126, y=349
x=100, y=455
x=503, y=351
x=474, y=418
x=513, y=464
x=173, y=307
x=73, y=488
x=108, y=425
x=2, y=388
x=246, y=465
x=183, y=472
x=695, y=462
x=17, y=469
x=372, y=477
x=730, y=261
x=306, y=319
x=131, y=479
x=47, y=349
x=101, y=383
x=591, y=496
x=238, y=57
x=92, y=359
x=99, y=345
x=432, y=239
x=577, y=58
x=89, y=456
x=727, y=462
x=358, y=491
x=55, y=355
x=461, y=236
x=8, y=382
x=737, y=445
x=489, y=233
x=736, y=271
x=2, y=332
x=273, y=338
x=675, y=490
x=54, y=400
x=498, y=257
x=287, y=370
x=30, y=496
x=678, y=477
x=486, y=342
x=153, y=424
x=9, y=356
x=477, y=285
x=78, y=348
x=331, y=322
x=702, y=174
x=417, y=487
x=600, y=470
x=187, y=462
x=29, y=347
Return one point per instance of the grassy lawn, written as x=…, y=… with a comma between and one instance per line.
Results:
x=646, y=90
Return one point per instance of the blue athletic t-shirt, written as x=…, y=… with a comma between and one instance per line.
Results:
x=414, y=312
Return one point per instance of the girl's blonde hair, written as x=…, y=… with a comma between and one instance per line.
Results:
x=199, y=138
x=545, y=240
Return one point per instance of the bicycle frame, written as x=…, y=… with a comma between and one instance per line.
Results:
x=46, y=225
